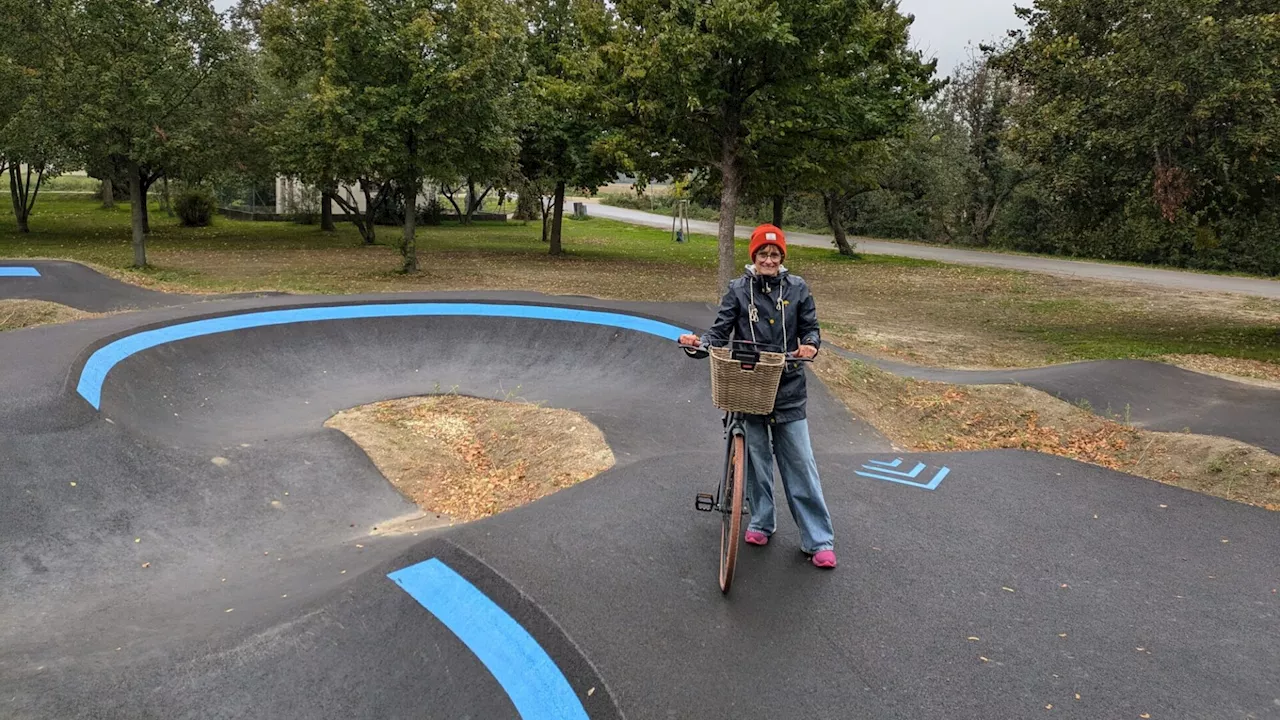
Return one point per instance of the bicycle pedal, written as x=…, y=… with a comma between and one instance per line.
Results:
x=705, y=502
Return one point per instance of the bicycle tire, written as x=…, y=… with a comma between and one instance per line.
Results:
x=731, y=510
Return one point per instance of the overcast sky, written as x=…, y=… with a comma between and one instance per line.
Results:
x=943, y=28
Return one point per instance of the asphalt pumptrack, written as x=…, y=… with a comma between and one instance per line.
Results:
x=181, y=537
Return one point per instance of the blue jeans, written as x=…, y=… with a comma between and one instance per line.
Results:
x=794, y=452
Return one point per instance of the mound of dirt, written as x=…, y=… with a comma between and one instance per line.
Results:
x=19, y=314
x=469, y=458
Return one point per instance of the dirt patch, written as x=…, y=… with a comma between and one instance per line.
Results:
x=928, y=416
x=1254, y=372
x=18, y=314
x=469, y=458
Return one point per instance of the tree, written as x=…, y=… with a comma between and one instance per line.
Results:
x=394, y=92
x=713, y=83
x=155, y=87
x=976, y=107
x=32, y=127
x=449, y=99
x=1155, y=126
x=328, y=129
x=564, y=137
x=841, y=177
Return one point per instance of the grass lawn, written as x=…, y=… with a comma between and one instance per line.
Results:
x=920, y=311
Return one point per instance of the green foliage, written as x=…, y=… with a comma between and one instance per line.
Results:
x=135, y=90
x=970, y=124
x=565, y=139
x=195, y=207
x=156, y=84
x=1155, y=128
x=1145, y=132
x=33, y=142
x=383, y=93
x=730, y=85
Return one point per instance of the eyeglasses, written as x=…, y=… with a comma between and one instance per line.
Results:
x=769, y=255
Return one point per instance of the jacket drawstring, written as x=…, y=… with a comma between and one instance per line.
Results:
x=754, y=314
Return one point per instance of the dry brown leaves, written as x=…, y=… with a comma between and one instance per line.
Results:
x=938, y=417
x=970, y=420
x=18, y=314
x=1231, y=368
x=469, y=458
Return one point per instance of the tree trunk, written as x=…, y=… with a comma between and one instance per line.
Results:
x=558, y=219
x=137, y=202
x=470, y=202
x=778, y=207
x=832, y=204
x=371, y=210
x=326, y=212
x=478, y=202
x=108, y=193
x=17, y=191
x=408, y=248
x=543, y=209
x=525, y=207
x=168, y=203
x=146, y=212
x=730, y=181
x=448, y=193
x=474, y=202
x=363, y=223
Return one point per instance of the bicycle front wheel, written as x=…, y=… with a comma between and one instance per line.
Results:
x=731, y=509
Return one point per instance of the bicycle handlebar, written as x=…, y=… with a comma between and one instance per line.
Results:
x=704, y=348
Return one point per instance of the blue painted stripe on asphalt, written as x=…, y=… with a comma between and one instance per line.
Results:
x=530, y=677
x=100, y=363
x=18, y=271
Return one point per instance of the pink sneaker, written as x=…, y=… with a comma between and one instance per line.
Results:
x=755, y=537
x=825, y=559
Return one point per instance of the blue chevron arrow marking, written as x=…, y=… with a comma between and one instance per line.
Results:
x=901, y=477
x=915, y=471
x=883, y=463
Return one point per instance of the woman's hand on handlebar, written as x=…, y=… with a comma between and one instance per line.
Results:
x=690, y=340
x=806, y=352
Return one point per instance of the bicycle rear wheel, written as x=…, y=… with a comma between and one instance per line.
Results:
x=731, y=503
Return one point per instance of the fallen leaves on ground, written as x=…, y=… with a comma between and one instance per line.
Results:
x=1231, y=368
x=18, y=314
x=469, y=458
x=938, y=417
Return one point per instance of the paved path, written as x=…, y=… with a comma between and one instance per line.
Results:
x=81, y=287
x=181, y=537
x=1071, y=268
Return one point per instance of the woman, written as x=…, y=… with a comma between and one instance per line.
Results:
x=772, y=307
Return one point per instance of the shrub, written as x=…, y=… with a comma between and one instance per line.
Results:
x=195, y=207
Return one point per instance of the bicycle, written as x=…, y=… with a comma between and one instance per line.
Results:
x=750, y=389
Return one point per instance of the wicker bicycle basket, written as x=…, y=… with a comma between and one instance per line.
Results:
x=753, y=391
